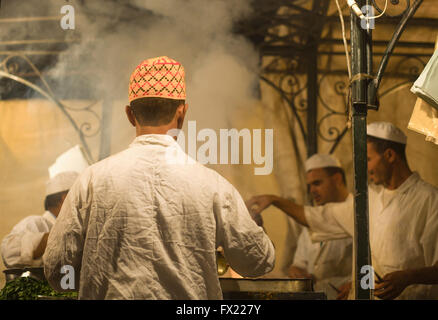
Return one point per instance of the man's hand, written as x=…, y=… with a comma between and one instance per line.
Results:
x=392, y=285
x=344, y=291
x=257, y=204
x=298, y=273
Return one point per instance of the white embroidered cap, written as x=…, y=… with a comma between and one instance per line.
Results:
x=160, y=77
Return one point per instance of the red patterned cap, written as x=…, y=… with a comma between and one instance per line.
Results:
x=159, y=77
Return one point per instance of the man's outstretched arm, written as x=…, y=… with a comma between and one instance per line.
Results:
x=259, y=203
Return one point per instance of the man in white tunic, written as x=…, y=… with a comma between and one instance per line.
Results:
x=328, y=263
x=25, y=244
x=145, y=223
x=403, y=213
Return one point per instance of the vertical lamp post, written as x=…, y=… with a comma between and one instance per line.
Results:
x=361, y=39
x=364, y=96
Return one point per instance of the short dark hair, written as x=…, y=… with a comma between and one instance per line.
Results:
x=155, y=111
x=382, y=145
x=53, y=200
x=333, y=170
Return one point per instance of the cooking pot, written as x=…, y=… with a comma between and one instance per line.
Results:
x=36, y=273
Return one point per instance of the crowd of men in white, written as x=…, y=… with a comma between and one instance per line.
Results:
x=134, y=226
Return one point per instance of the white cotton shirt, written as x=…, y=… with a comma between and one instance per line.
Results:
x=403, y=231
x=144, y=225
x=330, y=262
x=18, y=246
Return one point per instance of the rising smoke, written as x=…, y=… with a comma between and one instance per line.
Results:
x=112, y=37
x=115, y=36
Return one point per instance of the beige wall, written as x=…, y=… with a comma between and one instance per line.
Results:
x=32, y=134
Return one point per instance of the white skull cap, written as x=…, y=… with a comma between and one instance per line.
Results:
x=61, y=182
x=321, y=161
x=71, y=160
x=386, y=131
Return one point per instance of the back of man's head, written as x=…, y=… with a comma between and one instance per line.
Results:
x=156, y=90
x=155, y=111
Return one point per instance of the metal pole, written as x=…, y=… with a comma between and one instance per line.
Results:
x=312, y=101
x=360, y=48
x=320, y=8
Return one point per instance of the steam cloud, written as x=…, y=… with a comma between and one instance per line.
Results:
x=115, y=36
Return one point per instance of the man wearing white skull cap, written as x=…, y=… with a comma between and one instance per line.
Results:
x=328, y=263
x=403, y=213
x=25, y=244
x=321, y=160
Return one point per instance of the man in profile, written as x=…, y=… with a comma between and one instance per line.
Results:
x=328, y=263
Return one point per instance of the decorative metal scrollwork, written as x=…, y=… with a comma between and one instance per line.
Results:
x=411, y=68
x=10, y=69
x=286, y=37
x=393, y=3
x=289, y=82
x=288, y=86
x=333, y=133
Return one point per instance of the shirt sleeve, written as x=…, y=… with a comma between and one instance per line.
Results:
x=65, y=243
x=18, y=246
x=247, y=248
x=429, y=238
x=294, y=230
x=331, y=221
x=301, y=258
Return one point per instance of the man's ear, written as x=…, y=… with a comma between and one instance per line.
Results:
x=337, y=178
x=390, y=155
x=180, y=114
x=130, y=115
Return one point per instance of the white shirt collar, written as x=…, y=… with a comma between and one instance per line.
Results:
x=409, y=182
x=160, y=139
